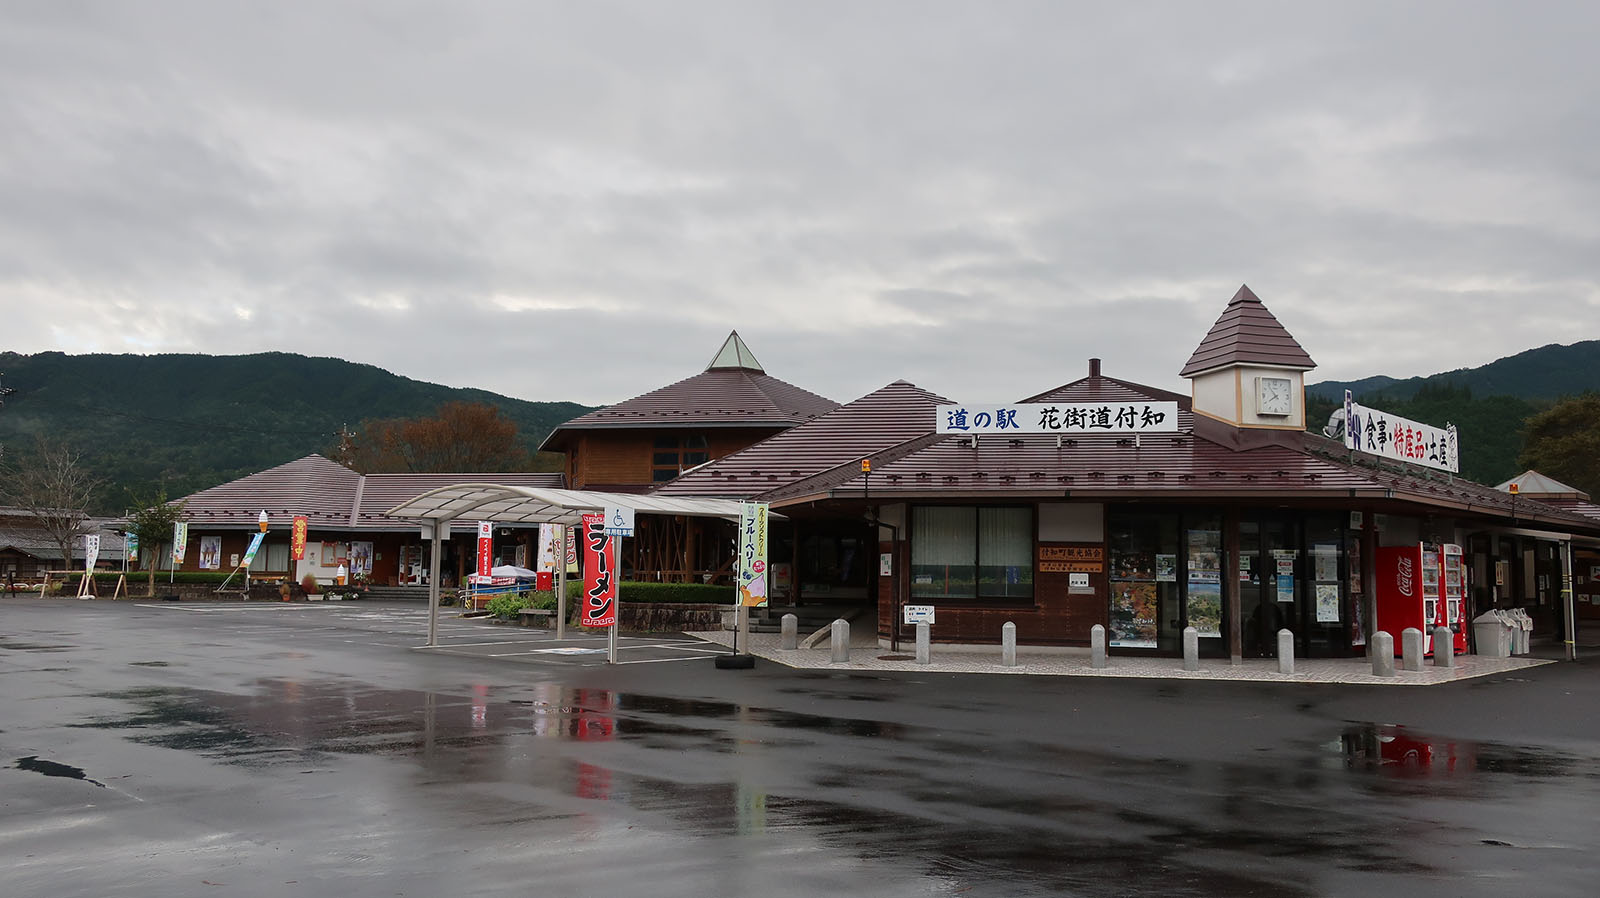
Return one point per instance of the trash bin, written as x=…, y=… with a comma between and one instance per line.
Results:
x=1492, y=635
x=1523, y=631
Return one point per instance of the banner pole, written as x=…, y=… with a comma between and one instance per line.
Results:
x=561, y=582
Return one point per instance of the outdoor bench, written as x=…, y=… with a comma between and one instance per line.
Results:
x=536, y=616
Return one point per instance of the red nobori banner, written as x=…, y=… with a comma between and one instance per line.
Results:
x=599, y=573
x=297, y=537
x=485, y=548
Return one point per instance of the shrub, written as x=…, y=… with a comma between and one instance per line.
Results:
x=506, y=605
x=309, y=584
x=639, y=591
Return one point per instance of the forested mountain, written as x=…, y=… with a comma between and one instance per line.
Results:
x=1490, y=405
x=1548, y=372
x=186, y=422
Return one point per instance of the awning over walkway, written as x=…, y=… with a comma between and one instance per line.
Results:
x=531, y=505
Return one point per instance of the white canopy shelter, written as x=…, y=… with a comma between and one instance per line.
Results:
x=529, y=505
x=503, y=504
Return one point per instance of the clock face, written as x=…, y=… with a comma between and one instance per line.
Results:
x=1273, y=396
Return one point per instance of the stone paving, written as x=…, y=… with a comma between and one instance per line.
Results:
x=1074, y=664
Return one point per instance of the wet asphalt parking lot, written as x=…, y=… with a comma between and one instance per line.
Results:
x=178, y=750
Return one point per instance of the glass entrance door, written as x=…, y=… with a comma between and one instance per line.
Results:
x=1267, y=584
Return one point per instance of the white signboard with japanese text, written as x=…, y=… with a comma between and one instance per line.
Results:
x=1059, y=417
x=91, y=550
x=1391, y=436
x=918, y=614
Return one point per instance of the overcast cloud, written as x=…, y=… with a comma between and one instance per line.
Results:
x=975, y=197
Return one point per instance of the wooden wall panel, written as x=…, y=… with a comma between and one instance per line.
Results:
x=627, y=456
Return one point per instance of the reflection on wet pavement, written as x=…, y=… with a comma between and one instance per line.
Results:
x=798, y=784
x=1054, y=820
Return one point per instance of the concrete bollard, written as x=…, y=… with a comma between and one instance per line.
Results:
x=1444, y=647
x=1097, y=647
x=1191, y=648
x=841, y=641
x=1286, y=652
x=1008, y=645
x=1411, y=648
x=791, y=632
x=1381, y=648
x=924, y=642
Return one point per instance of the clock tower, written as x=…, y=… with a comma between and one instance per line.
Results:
x=1248, y=371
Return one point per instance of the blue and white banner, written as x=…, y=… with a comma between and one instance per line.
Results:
x=1391, y=436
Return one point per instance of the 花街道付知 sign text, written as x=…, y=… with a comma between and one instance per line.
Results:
x=1060, y=417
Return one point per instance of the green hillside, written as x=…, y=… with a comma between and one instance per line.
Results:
x=1489, y=405
x=1549, y=372
x=192, y=421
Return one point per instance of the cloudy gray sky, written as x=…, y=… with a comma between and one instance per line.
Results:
x=976, y=197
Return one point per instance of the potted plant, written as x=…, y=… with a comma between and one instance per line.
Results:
x=308, y=584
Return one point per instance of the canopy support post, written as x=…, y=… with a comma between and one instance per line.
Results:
x=433, y=585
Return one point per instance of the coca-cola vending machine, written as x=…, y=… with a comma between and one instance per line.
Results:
x=1455, y=595
x=1409, y=592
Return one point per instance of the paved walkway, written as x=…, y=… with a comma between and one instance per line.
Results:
x=1060, y=664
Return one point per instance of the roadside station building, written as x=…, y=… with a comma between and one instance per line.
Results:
x=345, y=524
x=1229, y=517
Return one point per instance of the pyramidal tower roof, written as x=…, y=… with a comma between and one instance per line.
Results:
x=1532, y=483
x=734, y=354
x=1246, y=334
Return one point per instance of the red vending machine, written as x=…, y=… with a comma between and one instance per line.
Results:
x=1455, y=595
x=1408, y=594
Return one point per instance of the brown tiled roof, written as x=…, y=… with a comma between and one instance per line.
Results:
x=721, y=397
x=1172, y=464
x=1576, y=506
x=322, y=490
x=881, y=419
x=330, y=495
x=733, y=391
x=1247, y=333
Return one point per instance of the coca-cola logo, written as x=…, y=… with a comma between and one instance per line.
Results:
x=1403, y=576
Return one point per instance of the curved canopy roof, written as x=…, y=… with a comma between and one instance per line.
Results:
x=502, y=503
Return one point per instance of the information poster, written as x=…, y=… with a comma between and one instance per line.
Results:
x=361, y=559
x=1133, y=615
x=1325, y=562
x=1286, y=587
x=210, y=553
x=1327, y=603
x=1166, y=568
x=1205, y=556
x=1205, y=608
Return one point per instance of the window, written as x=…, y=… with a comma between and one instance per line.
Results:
x=966, y=552
x=673, y=455
x=270, y=557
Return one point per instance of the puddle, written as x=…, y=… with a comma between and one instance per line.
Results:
x=52, y=768
x=1398, y=751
